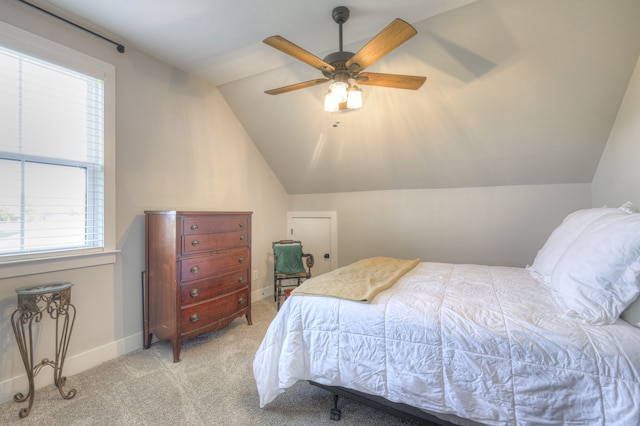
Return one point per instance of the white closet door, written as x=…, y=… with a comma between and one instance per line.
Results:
x=317, y=233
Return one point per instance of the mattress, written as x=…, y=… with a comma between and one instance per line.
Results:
x=483, y=343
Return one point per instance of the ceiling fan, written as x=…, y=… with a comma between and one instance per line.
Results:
x=342, y=66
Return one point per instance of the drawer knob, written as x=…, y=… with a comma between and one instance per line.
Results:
x=241, y=301
x=195, y=292
x=241, y=237
x=195, y=243
x=241, y=260
x=241, y=279
x=194, y=227
x=195, y=269
x=241, y=225
x=194, y=318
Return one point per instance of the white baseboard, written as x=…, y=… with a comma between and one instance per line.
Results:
x=260, y=294
x=72, y=365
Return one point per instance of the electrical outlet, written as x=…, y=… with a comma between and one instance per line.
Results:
x=255, y=274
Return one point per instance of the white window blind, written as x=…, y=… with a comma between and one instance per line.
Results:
x=51, y=157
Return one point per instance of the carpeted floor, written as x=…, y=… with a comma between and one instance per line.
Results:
x=212, y=385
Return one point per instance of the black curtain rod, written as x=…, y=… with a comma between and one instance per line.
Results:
x=119, y=46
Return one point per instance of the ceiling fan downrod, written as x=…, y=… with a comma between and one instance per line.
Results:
x=340, y=15
x=338, y=59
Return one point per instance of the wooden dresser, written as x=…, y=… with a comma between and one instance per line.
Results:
x=197, y=275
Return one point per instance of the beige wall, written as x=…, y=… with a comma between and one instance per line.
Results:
x=178, y=146
x=618, y=176
x=489, y=225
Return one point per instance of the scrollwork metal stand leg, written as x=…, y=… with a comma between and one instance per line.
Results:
x=54, y=299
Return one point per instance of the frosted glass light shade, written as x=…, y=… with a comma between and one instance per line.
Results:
x=339, y=90
x=354, y=100
x=331, y=104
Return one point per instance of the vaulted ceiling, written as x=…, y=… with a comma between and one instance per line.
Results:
x=517, y=91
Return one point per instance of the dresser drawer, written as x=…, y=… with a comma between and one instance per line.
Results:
x=203, y=314
x=218, y=263
x=206, y=242
x=198, y=291
x=216, y=224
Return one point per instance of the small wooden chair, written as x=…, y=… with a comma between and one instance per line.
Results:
x=288, y=268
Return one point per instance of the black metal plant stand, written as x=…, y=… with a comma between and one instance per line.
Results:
x=33, y=302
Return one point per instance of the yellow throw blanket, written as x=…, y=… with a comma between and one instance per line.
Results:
x=360, y=281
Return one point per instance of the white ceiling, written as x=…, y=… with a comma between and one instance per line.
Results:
x=517, y=91
x=222, y=39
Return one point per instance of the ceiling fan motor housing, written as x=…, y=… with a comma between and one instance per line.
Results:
x=338, y=61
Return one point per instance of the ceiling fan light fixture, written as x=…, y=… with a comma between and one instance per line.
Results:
x=354, y=98
x=331, y=104
x=339, y=91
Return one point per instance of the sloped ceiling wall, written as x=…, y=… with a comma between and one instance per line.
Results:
x=518, y=92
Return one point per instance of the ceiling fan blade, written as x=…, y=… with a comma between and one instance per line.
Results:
x=296, y=86
x=388, y=39
x=297, y=52
x=395, y=81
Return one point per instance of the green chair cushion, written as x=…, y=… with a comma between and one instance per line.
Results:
x=288, y=259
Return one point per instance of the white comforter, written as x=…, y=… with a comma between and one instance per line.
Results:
x=482, y=343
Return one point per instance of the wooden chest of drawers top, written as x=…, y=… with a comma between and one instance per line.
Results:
x=200, y=232
x=197, y=224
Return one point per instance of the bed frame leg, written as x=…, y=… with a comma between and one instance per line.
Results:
x=335, y=411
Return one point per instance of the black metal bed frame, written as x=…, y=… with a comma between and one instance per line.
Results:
x=397, y=409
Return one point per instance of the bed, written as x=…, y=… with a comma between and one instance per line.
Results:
x=554, y=343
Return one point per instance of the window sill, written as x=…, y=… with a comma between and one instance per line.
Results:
x=20, y=268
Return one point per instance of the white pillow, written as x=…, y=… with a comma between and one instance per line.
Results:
x=597, y=277
x=561, y=237
x=628, y=207
x=632, y=313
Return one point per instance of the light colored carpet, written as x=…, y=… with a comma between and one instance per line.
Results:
x=212, y=385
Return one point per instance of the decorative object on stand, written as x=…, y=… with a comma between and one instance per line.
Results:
x=344, y=69
x=33, y=302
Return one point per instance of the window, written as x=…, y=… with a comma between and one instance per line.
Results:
x=53, y=133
